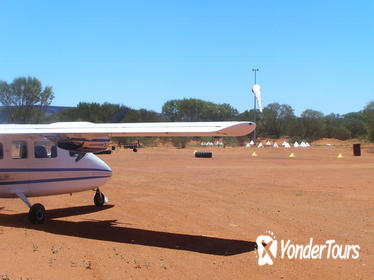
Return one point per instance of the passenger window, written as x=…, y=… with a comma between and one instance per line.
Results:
x=1, y=151
x=45, y=149
x=18, y=149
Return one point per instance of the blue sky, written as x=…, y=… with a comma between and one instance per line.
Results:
x=311, y=54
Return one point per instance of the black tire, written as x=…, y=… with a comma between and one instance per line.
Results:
x=37, y=214
x=99, y=199
x=203, y=154
x=135, y=150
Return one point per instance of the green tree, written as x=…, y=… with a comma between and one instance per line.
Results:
x=26, y=99
x=197, y=110
x=313, y=123
x=92, y=112
x=275, y=120
x=369, y=120
x=355, y=123
x=171, y=110
x=333, y=126
x=340, y=132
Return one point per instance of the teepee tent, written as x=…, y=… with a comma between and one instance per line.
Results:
x=296, y=145
x=275, y=145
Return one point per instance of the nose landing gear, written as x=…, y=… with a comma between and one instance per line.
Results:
x=100, y=198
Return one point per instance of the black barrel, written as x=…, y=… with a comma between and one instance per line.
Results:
x=203, y=154
x=357, y=150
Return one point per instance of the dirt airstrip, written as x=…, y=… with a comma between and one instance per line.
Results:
x=172, y=216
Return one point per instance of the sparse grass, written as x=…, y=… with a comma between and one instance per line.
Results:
x=87, y=264
x=163, y=266
x=35, y=247
x=4, y=277
x=299, y=194
x=54, y=250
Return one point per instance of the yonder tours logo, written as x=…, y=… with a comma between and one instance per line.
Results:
x=267, y=246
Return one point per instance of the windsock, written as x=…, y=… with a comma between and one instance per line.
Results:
x=257, y=92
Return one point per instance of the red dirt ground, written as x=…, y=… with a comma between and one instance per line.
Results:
x=173, y=216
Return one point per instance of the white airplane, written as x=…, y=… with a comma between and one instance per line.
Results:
x=51, y=159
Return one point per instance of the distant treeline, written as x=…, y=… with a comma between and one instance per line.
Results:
x=26, y=101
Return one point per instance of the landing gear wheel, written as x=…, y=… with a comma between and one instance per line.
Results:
x=99, y=198
x=37, y=214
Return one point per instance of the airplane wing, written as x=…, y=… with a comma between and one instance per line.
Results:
x=85, y=136
x=132, y=129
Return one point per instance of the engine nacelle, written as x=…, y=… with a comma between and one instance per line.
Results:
x=84, y=145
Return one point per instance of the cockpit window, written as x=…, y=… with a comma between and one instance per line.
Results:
x=78, y=155
x=73, y=154
x=45, y=149
x=18, y=150
x=1, y=151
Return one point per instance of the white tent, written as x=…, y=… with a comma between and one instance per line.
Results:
x=248, y=145
x=268, y=143
x=275, y=145
x=296, y=145
x=251, y=143
x=284, y=143
x=287, y=146
x=202, y=144
x=307, y=144
x=302, y=144
x=260, y=145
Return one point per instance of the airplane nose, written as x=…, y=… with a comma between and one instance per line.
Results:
x=106, y=167
x=101, y=165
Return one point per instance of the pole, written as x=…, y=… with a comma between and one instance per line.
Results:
x=254, y=119
x=254, y=110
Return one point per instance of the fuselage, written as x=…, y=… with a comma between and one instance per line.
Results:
x=34, y=166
